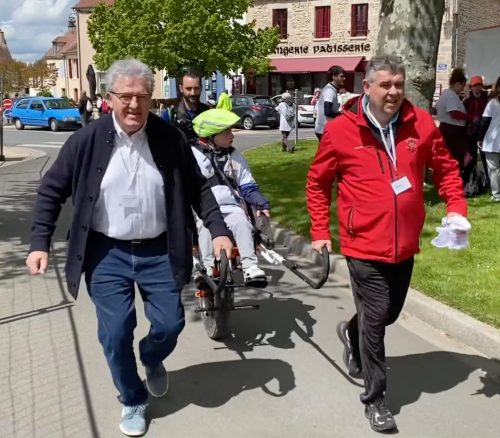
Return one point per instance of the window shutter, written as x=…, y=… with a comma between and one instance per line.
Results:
x=318, y=25
x=365, y=19
x=353, y=20
x=327, y=20
x=285, y=23
x=275, y=17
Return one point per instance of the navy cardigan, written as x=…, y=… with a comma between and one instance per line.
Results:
x=78, y=172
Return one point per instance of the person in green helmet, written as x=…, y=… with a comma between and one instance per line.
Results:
x=233, y=186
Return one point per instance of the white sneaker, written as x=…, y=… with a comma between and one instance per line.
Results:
x=253, y=273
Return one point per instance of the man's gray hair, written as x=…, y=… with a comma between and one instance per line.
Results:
x=129, y=68
x=390, y=63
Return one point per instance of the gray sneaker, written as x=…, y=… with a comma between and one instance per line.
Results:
x=157, y=380
x=133, y=420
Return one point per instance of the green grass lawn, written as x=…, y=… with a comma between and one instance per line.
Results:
x=466, y=280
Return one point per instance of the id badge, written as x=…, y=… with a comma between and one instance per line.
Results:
x=401, y=185
x=129, y=201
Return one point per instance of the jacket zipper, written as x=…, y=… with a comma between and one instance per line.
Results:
x=350, y=223
x=395, y=210
x=380, y=160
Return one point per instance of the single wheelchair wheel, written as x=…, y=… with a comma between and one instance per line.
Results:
x=216, y=321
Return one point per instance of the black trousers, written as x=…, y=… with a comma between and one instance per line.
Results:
x=379, y=291
x=319, y=136
x=473, y=149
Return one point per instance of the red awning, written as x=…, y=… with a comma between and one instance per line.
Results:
x=315, y=65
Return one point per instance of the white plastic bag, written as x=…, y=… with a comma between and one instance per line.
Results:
x=89, y=106
x=453, y=233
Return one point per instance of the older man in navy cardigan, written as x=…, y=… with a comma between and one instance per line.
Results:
x=133, y=180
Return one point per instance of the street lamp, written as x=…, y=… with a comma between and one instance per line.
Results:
x=72, y=23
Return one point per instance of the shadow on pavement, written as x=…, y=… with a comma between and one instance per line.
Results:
x=211, y=385
x=278, y=318
x=19, y=184
x=439, y=371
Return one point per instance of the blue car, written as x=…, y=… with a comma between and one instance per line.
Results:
x=51, y=112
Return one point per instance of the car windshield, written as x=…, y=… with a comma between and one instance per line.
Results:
x=263, y=101
x=58, y=104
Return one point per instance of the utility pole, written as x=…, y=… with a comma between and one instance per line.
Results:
x=2, y=156
x=296, y=117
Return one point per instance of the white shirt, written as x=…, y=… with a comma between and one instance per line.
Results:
x=285, y=126
x=450, y=101
x=131, y=202
x=328, y=94
x=491, y=141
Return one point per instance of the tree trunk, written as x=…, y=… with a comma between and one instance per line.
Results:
x=411, y=29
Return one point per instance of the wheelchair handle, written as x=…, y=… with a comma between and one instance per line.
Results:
x=223, y=269
x=266, y=233
x=324, y=275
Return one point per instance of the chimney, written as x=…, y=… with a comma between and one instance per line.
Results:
x=2, y=37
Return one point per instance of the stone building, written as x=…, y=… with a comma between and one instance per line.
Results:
x=316, y=34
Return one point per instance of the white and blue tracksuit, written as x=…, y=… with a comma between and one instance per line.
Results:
x=237, y=171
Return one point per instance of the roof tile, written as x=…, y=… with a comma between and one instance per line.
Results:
x=85, y=4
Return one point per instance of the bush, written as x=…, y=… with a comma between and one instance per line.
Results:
x=44, y=94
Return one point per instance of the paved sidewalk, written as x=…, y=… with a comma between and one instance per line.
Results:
x=280, y=374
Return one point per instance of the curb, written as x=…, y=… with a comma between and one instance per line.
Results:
x=463, y=328
x=33, y=155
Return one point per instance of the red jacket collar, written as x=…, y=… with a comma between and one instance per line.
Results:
x=353, y=109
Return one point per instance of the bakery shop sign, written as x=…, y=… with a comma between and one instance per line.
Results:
x=323, y=48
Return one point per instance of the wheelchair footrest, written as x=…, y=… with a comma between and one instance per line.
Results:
x=237, y=307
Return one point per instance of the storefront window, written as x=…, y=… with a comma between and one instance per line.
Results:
x=319, y=80
x=306, y=84
x=275, y=85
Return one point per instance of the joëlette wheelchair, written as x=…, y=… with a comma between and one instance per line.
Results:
x=216, y=294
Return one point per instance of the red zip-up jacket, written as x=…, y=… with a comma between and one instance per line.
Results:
x=374, y=222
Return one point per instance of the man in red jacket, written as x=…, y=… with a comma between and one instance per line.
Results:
x=377, y=151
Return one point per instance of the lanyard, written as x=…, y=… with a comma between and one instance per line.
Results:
x=389, y=147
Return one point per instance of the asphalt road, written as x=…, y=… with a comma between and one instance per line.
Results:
x=37, y=138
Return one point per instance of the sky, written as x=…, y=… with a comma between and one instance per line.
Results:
x=31, y=25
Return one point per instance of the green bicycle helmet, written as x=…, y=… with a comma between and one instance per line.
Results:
x=213, y=122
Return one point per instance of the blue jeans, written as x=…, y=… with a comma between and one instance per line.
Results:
x=112, y=267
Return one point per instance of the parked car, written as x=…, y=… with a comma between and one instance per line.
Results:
x=51, y=112
x=304, y=108
x=255, y=110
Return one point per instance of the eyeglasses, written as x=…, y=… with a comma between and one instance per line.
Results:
x=127, y=98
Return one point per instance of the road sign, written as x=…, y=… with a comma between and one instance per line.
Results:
x=7, y=104
x=8, y=114
x=442, y=67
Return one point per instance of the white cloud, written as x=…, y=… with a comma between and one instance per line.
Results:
x=31, y=25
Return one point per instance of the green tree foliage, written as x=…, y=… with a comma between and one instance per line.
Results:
x=14, y=75
x=42, y=75
x=174, y=35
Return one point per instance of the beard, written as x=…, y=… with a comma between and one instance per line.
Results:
x=191, y=99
